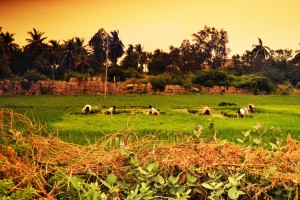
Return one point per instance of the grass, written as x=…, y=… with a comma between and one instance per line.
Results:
x=62, y=114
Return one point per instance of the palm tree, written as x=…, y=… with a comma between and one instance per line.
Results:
x=4, y=61
x=82, y=63
x=141, y=57
x=37, y=46
x=296, y=59
x=8, y=43
x=261, y=50
x=69, y=56
x=54, y=57
x=259, y=55
x=116, y=49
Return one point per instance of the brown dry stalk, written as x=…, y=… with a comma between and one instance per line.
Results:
x=49, y=154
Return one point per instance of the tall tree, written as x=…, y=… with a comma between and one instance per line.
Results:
x=116, y=48
x=296, y=59
x=260, y=50
x=159, y=62
x=54, y=56
x=98, y=48
x=8, y=43
x=131, y=58
x=69, y=56
x=4, y=60
x=260, y=53
x=141, y=57
x=37, y=47
x=210, y=45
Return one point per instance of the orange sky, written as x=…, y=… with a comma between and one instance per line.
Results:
x=157, y=23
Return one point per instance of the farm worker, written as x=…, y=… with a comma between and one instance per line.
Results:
x=251, y=108
x=242, y=112
x=206, y=111
x=153, y=111
x=111, y=110
x=86, y=109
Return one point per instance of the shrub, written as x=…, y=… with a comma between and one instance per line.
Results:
x=159, y=82
x=33, y=75
x=74, y=74
x=122, y=75
x=255, y=83
x=227, y=104
x=193, y=111
x=210, y=78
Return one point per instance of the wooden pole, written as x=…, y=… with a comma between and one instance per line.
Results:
x=106, y=67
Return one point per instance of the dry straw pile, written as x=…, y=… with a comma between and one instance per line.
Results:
x=29, y=156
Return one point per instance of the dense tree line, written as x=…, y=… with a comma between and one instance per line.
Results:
x=207, y=53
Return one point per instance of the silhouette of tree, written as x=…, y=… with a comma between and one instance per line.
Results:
x=37, y=46
x=8, y=43
x=260, y=53
x=116, y=48
x=4, y=62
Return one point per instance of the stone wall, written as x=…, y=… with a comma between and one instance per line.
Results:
x=95, y=85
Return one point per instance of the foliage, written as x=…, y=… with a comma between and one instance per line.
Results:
x=33, y=75
x=74, y=74
x=193, y=111
x=159, y=82
x=123, y=74
x=159, y=62
x=211, y=78
x=126, y=167
x=255, y=83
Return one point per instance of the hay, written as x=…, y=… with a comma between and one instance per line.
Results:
x=45, y=153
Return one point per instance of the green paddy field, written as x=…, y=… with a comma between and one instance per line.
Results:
x=179, y=115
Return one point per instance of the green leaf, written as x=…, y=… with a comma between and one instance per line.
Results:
x=212, y=176
x=76, y=182
x=124, y=152
x=257, y=141
x=142, y=171
x=173, y=180
x=106, y=183
x=240, y=140
x=111, y=179
x=274, y=146
x=247, y=133
x=240, y=177
x=218, y=193
x=153, y=166
x=160, y=180
x=191, y=178
x=208, y=186
x=233, y=181
x=219, y=185
x=232, y=193
x=180, y=189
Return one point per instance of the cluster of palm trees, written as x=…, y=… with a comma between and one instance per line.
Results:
x=71, y=57
x=49, y=58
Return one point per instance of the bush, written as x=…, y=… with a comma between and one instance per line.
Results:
x=193, y=111
x=74, y=74
x=159, y=82
x=122, y=75
x=210, y=78
x=255, y=83
x=33, y=75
